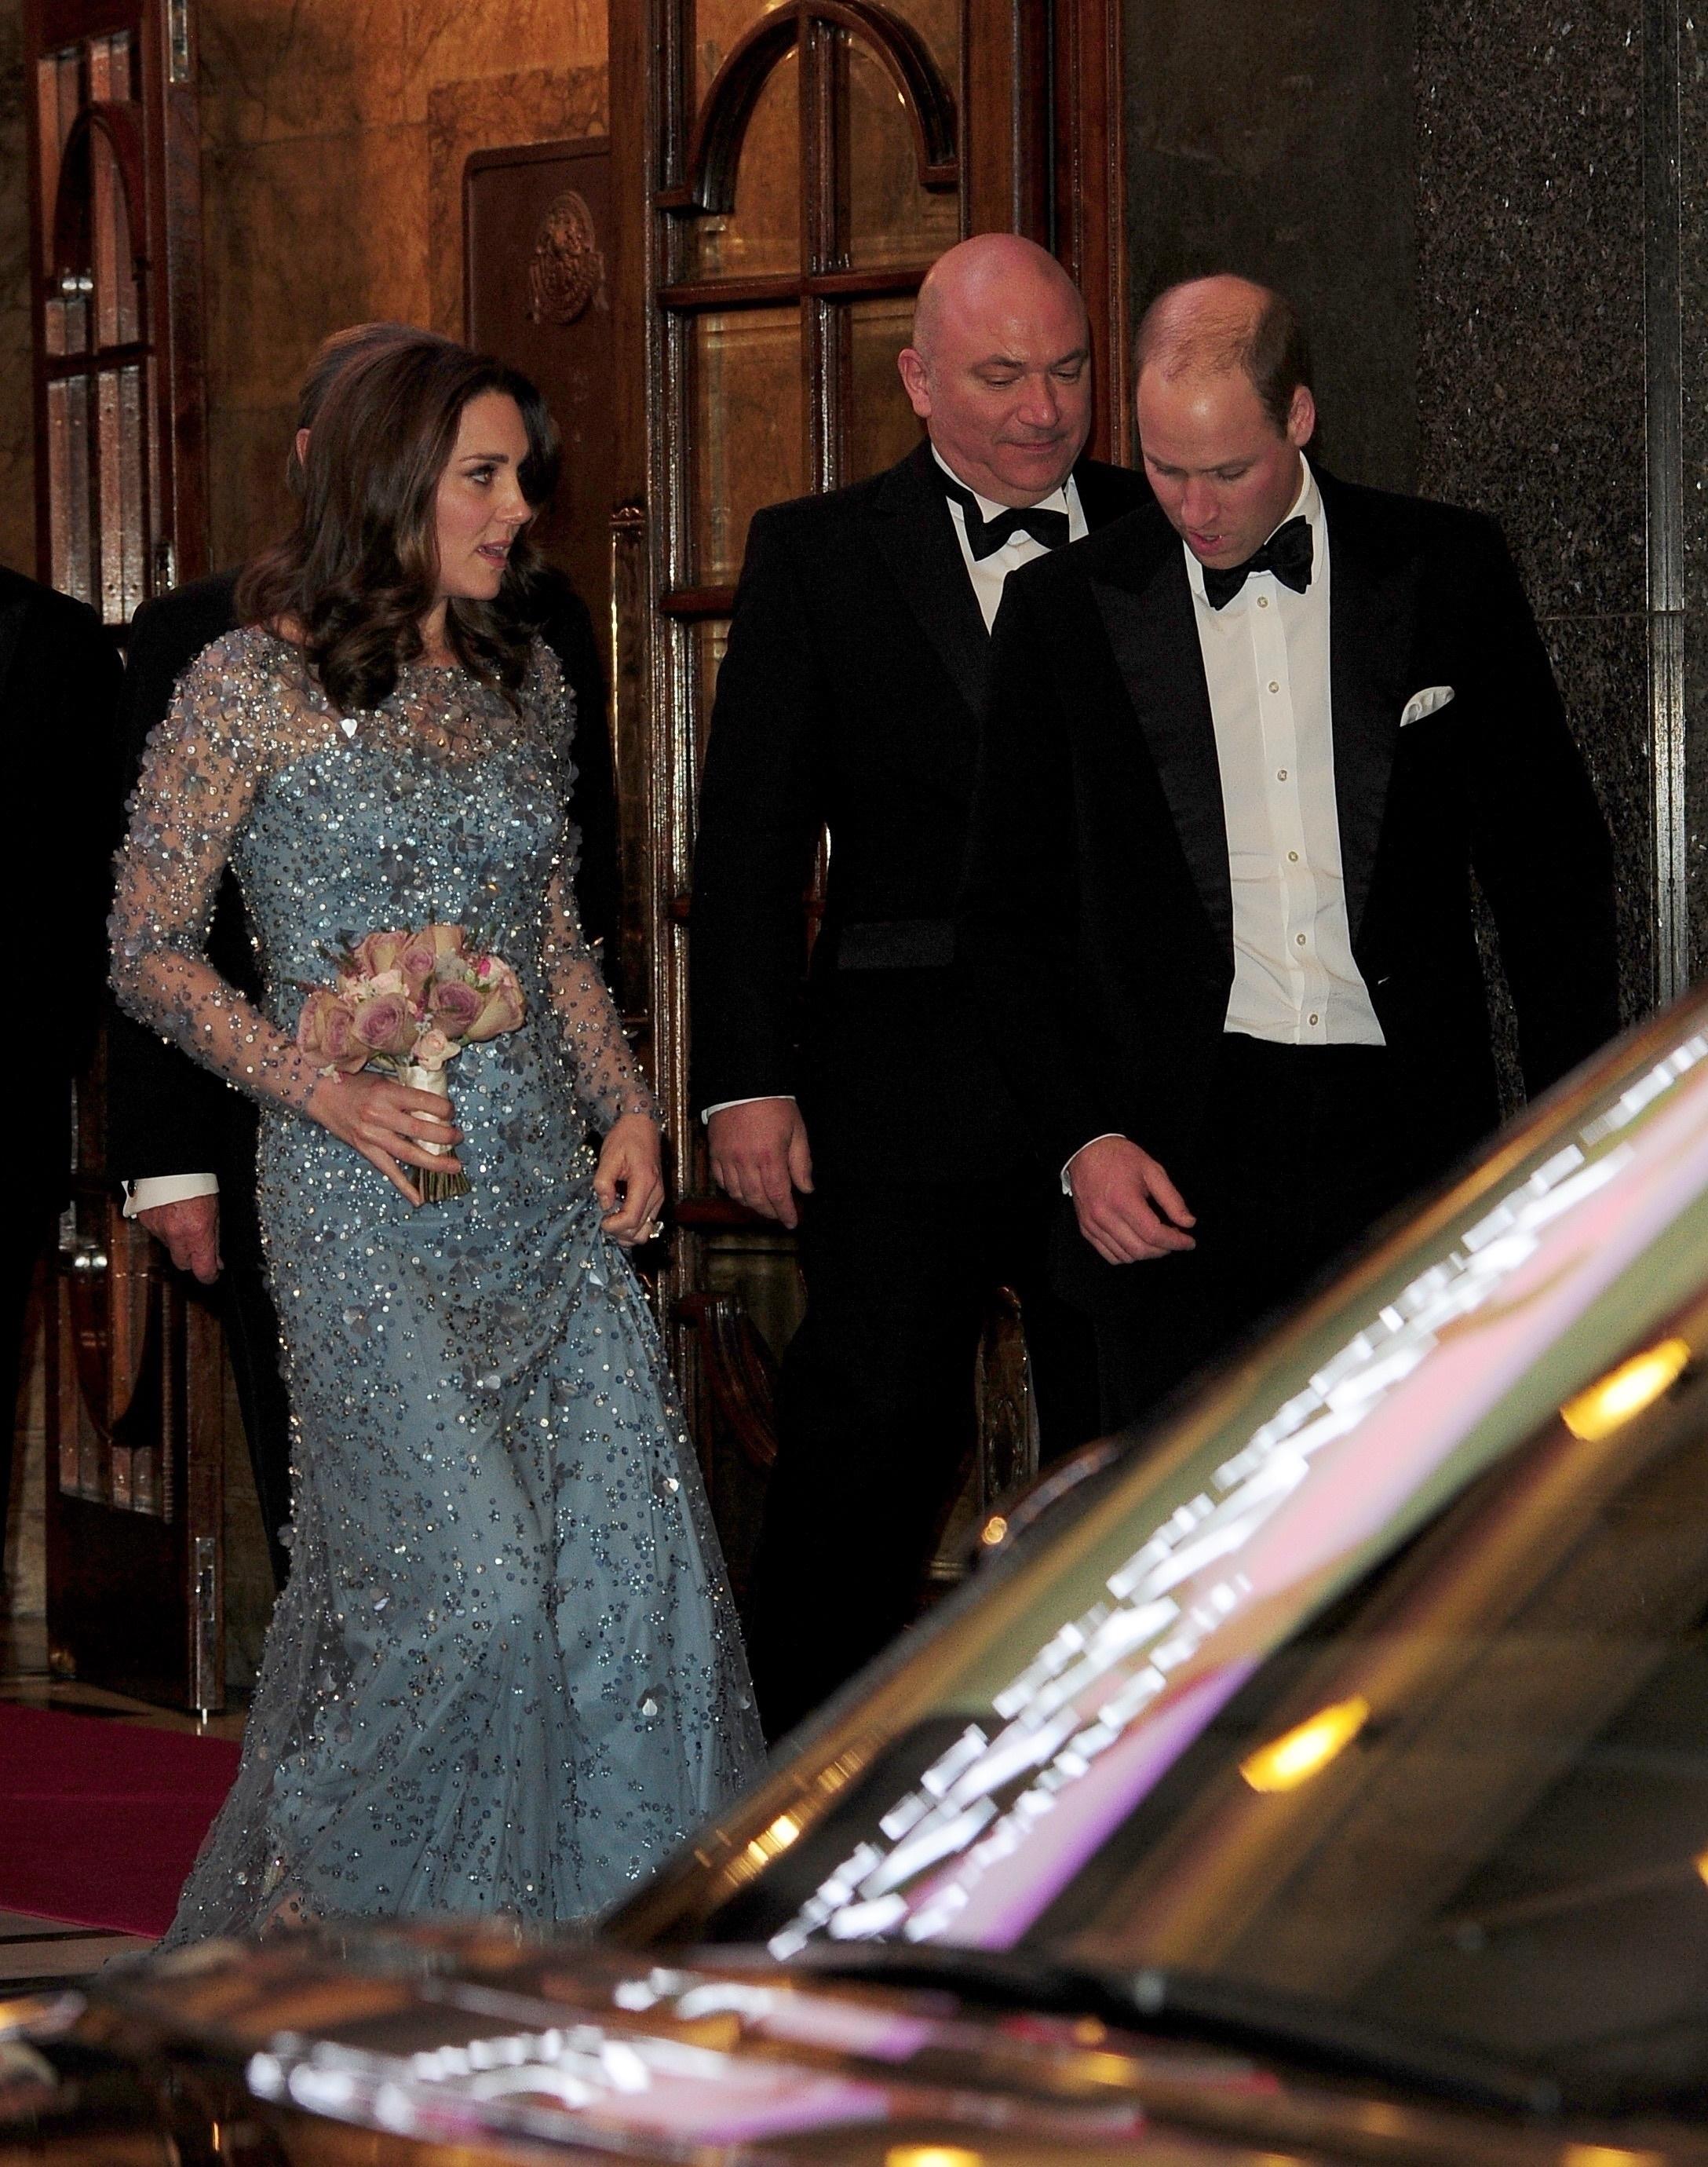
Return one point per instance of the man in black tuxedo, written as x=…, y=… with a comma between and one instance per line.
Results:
x=1245, y=749
x=867, y=1108
x=59, y=685
x=184, y=1143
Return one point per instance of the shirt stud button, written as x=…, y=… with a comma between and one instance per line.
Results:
x=1292, y=857
x=1299, y=938
x=1280, y=775
x=1274, y=685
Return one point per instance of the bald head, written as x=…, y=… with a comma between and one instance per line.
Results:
x=1223, y=399
x=990, y=272
x=1000, y=366
x=1208, y=327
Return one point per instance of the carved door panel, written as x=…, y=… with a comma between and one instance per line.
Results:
x=135, y=1415
x=537, y=289
x=801, y=165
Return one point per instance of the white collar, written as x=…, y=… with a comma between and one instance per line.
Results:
x=1308, y=503
x=1057, y=500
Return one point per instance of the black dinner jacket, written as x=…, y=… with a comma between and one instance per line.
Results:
x=848, y=698
x=165, y=1113
x=59, y=686
x=1096, y=929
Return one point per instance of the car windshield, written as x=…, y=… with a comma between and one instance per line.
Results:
x=1380, y=1679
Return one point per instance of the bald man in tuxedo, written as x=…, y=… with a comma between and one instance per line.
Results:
x=864, y=1107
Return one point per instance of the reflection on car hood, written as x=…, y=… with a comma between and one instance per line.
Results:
x=474, y=2039
x=957, y=1791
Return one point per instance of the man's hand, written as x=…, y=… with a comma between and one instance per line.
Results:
x=1127, y=1207
x=760, y=1156
x=190, y=1230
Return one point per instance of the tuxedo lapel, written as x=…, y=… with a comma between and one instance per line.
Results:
x=1107, y=493
x=12, y=616
x=1372, y=602
x=1155, y=642
x=917, y=537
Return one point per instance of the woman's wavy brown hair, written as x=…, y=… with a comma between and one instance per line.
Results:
x=359, y=571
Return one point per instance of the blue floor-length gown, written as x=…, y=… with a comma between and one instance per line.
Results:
x=505, y=1672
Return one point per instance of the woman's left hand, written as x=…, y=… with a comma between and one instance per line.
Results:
x=631, y=1161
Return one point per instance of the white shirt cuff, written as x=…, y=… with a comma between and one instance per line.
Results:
x=764, y=1098
x=155, y=1189
x=1067, y=1170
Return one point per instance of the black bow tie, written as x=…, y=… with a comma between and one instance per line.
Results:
x=1287, y=554
x=985, y=536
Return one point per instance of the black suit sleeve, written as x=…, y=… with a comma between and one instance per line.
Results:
x=64, y=689
x=165, y=1115
x=59, y=685
x=567, y=629
x=761, y=809
x=1016, y=940
x=1539, y=842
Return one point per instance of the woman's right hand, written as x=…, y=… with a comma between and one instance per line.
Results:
x=387, y=1122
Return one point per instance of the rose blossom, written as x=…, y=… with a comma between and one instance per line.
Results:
x=385, y=1025
x=378, y=952
x=454, y=1005
x=325, y=1032
x=505, y=1007
x=433, y=1050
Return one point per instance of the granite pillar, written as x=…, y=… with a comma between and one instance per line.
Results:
x=1280, y=144
x=1532, y=356
x=1484, y=207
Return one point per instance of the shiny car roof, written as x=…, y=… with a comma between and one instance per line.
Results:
x=1089, y=1657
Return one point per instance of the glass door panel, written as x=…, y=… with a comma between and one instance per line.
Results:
x=748, y=438
x=882, y=427
x=718, y=25
x=68, y=486
x=891, y=219
x=762, y=235
x=938, y=22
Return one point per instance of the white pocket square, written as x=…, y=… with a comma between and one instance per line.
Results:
x=1426, y=703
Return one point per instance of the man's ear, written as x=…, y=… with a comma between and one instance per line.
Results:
x=1301, y=418
x=302, y=445
x=915, y=380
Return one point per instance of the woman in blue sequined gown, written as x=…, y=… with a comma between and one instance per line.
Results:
x=505, y=1672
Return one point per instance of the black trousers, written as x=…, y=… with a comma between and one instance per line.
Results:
x=28, y=1237
x=1303, y=1154
x=876, y=1412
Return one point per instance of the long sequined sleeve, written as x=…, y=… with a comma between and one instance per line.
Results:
x=608, y=1079
x=199, y=779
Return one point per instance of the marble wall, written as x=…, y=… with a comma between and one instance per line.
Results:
x=1289, y=157
x=334, y=134
x=1462, y=195
x=17, y=422
x=1693, y=196
x=1530, y=358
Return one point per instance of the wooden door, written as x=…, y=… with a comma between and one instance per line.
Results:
x=782, y=175
x=134, y=1416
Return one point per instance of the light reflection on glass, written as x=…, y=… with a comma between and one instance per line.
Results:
x=1082, y=1730
x=1307, y=1749
x=1623, y=1393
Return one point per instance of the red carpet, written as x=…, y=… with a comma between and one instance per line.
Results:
x=99, y=1820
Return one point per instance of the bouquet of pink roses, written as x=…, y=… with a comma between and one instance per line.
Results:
x=408, y=1003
